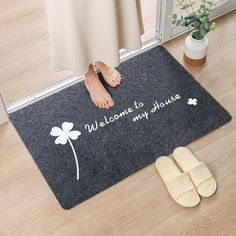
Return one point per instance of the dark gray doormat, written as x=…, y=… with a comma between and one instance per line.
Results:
x=159, y=106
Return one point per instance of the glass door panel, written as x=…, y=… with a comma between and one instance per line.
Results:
x=149, y=19
x=220, y=7
x=24, y=49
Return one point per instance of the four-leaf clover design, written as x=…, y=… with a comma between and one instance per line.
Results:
x=192, y=101
x=64, y=135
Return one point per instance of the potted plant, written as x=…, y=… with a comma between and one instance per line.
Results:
x=196, y=44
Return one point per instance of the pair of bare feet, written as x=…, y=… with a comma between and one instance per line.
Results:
x=99, y=95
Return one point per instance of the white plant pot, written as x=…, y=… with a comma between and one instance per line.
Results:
x=195, y=51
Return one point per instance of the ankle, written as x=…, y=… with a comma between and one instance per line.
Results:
x=90, y=71
x=100, y=65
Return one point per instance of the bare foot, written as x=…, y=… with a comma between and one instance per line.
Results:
x=100, y=97
x=110, y=74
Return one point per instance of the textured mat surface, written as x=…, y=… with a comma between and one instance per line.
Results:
x=159, y=106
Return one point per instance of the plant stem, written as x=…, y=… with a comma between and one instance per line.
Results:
x=212, y=2
x=181, y=3
x=76, y=159
x=191, y=4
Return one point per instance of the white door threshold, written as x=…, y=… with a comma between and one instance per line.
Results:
x=71, y=80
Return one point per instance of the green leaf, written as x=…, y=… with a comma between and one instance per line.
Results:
x=175, y=16
x=212, y=26
x=207, y=6
x=178, y=22
x=193, y=14
x=197, y=35
x=185, y=6
x=203, y=31
x=202, y=19
x=206, y=26
x=184, y=23
x=195, y=23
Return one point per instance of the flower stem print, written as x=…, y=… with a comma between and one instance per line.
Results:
x=76, y=159
x=64, y=135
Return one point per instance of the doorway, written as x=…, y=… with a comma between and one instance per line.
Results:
x=24, y=49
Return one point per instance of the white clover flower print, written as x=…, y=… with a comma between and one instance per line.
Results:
x=64, y=135
x=192, y=101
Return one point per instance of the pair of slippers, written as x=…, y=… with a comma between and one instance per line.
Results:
x=191, y=179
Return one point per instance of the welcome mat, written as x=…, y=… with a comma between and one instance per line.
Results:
x=82, y=150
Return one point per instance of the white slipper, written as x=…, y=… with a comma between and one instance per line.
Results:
x=178, y=184
x=198, y=171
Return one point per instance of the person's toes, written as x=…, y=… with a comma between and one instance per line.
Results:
x=114, y=80
x=100, y=104
x=113, y=83
x=107, y=105
x=119, y=76
x=104, y=104
x=118, y=73
x=117, y=82
x=118, y=79
x=110, y=102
